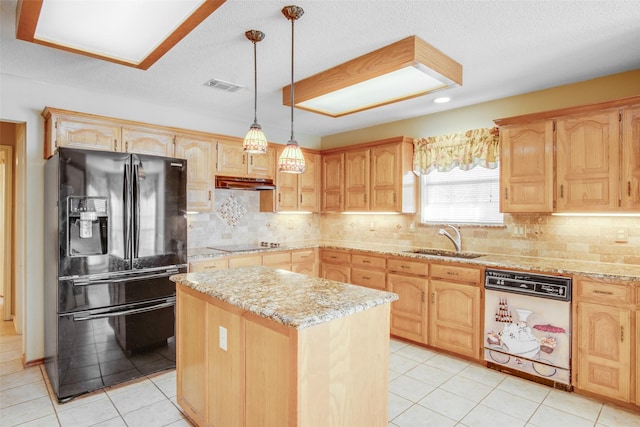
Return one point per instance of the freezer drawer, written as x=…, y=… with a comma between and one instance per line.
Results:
x=88, y=293
x=99, y=348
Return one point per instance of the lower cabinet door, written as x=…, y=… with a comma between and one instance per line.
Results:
x=604, y=350
x=191, y=356
x=454, y=317
x=339, y=273
x=408, y=314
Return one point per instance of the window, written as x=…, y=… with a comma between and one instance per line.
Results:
x=461, y=197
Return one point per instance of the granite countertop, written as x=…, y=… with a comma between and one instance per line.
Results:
x=600, y=270
x=293, y=299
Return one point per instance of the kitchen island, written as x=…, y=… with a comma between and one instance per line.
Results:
x=258, y=346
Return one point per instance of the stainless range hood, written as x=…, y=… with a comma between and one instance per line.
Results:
x=237, y=183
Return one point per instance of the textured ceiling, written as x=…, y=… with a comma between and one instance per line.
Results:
x=505, y=47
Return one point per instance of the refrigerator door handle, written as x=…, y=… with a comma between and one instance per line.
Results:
x=136, y=207
x=84, y=317
x=101, y=281
x=126, y=195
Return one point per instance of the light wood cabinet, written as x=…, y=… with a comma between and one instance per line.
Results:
x=605, y=338
x=191, y=356
x=233, y=161
x=390, y=170
x=604, y=355
x=67, y=129
x=198, y=150
x=332, y=199
x=637, y=347
x=295, y=192
x=212, y=264
x=593, y=166
x=277, y=260
x=309, y=183
x=304, y=261
x=368, y=270
x=631, y=159
x=356, y=180
x=245, y=260
x=455, y=308
x=376, y=177
x=409, y=279
x=272, y=375
x=156, y=142
x=526, y=167
x=335, y=265
x=588, y=161
x=224, y=365
x=409, y=313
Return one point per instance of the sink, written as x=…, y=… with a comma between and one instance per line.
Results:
x=449, y=254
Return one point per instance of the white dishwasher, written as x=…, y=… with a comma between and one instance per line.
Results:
x=528, y=326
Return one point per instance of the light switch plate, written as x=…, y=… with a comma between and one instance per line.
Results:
x=223, y=338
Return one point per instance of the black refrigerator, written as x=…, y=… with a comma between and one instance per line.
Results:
x=115, y=230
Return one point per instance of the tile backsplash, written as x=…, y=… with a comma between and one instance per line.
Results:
x=236, y=219
x=580, y=238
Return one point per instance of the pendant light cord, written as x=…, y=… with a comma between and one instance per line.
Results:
x=255, y=85
x=292, y=97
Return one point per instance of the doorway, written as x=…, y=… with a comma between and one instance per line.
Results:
x=10, y=143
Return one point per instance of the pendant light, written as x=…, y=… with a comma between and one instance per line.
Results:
x=255, y=141
x=291, y=160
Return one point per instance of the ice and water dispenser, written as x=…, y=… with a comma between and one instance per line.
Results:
x=88, y=223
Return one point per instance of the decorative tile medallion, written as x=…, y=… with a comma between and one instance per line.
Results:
x=232, y=211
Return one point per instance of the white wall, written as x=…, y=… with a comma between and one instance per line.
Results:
x=23, y=100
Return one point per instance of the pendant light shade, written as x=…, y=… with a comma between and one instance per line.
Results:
x=255, y=141
x=291, y=160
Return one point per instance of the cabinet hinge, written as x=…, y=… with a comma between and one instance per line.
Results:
x=422, y=295
x=554, y=125
x=55, y=124
x=620, y=116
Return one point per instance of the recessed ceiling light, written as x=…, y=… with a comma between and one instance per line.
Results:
x=442, y=100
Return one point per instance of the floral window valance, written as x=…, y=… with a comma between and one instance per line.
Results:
x=466, y=150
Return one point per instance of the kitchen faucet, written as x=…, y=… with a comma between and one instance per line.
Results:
x=456, y=241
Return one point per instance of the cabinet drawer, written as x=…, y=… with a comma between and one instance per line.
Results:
x=456, y=273
x=368, y=261
x=304, y=255
x=245, y=261
x=336, y=257
x=277, y=258
x=401, y=265
x=209, y=265
x=601, y=291
x=368, y=278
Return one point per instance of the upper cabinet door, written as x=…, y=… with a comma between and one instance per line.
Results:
x=631, y=159
x=588, y=162
x=332, y=182
x=198, y=150
x=526, y=167
x=84, y=133
x=386, y=178
x=309, y=184
x=356, y=180
x=148, y=141
x=261, y=165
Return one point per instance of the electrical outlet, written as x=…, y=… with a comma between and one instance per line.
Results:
x=372, y=226
x=519, y=231
x=223, y=338
x=622, y=235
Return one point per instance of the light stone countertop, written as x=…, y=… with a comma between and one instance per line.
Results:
x=293, y=299
x=598, y=270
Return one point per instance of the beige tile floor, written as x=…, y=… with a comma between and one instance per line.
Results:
x=426, y=389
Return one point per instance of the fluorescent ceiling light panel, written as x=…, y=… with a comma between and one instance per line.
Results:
x=130, y=32
x=402, y=70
